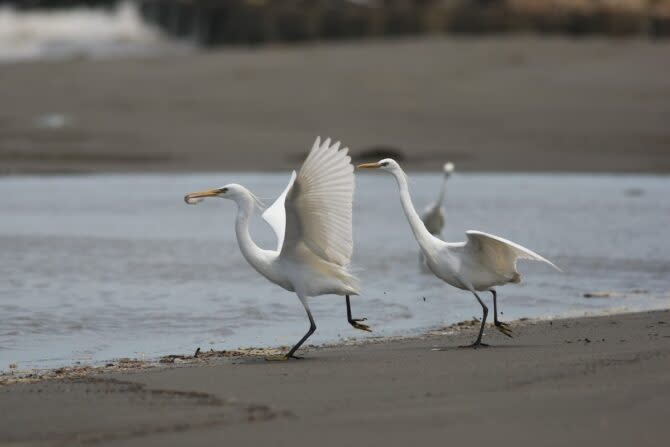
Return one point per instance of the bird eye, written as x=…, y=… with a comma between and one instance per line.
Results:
x=223, y=190
x=385, y=163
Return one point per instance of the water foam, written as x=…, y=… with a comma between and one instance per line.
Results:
x=75, y=33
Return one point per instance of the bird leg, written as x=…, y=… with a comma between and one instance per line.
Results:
x=485, y=311
x=355, y=322
x=312, y=328
x=502, y=327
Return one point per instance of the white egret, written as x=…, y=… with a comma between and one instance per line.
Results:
x=479, y=264
x=434, y=215
x=312, y=222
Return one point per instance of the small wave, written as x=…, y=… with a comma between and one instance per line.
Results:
x=74, y=33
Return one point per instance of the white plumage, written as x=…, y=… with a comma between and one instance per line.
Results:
x=312, y=221
x=318, y=205
x=480, y=263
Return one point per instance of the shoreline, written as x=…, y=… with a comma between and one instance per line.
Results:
x=604, y=378
x=200, y=358
x=78, y=370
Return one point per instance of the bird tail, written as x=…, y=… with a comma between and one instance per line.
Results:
x=351, y=283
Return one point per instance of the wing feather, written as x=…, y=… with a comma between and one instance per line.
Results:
x=275, y=214
x=500, y=254
x=319, y=204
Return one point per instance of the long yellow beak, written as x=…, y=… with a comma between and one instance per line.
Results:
x=196, y=197
x=369, y=166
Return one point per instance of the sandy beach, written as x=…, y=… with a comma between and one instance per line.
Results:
x=106, y=254
x=601, y=380
x=488, y=104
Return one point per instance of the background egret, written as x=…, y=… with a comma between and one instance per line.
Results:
x=312, y=222
x=480, y=263
x=434, y=215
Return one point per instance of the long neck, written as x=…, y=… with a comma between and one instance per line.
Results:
x=421, y=234
x=443, y=191
x=256, y=256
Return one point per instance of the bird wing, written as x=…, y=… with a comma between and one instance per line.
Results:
x=319, y=204
x=275, y=214
x=499, y=254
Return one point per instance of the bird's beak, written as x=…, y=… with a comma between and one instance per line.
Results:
x=369, y=166
x=196, y=197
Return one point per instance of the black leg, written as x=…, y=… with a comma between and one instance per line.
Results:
x=312, y=328
x=355, y=322
x=502, y=327
x=485, y=312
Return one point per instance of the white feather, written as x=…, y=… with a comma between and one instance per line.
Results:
x=319, y=204
x=275, y=214
x=498, y=254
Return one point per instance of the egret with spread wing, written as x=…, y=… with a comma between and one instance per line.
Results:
x=312, y=222
x=434, y=215
x=479, y=264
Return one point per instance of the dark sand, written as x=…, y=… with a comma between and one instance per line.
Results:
x=502, y=104
x=586, y=381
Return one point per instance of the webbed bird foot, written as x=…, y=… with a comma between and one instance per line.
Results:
x=504, y=328
x=363, y=327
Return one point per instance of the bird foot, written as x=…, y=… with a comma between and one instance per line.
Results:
x=504, y=328
x=475, y=346
x=363, y=327
x=281, y=358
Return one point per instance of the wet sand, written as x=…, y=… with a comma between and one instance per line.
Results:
x=600, y=380
x=492, y=104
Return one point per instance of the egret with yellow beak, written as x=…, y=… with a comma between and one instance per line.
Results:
x=312, y=222
x=479, y=264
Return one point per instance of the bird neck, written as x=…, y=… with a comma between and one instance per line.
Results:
x=256, y=256
x=443, y=191
x=421, y=234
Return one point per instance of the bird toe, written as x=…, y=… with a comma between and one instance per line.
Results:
x=361, y=326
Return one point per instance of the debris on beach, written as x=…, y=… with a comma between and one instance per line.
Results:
x=598, y=294
x=233, y=353
x=613, y=294
x=71, y=372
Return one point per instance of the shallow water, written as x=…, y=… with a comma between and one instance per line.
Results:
x=99, y=267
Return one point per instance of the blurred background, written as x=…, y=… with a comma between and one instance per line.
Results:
x=169, y=85
x=556, y=114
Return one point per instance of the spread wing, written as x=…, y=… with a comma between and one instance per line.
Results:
x=319, y=203
x=275, y=214
x=499, y=254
